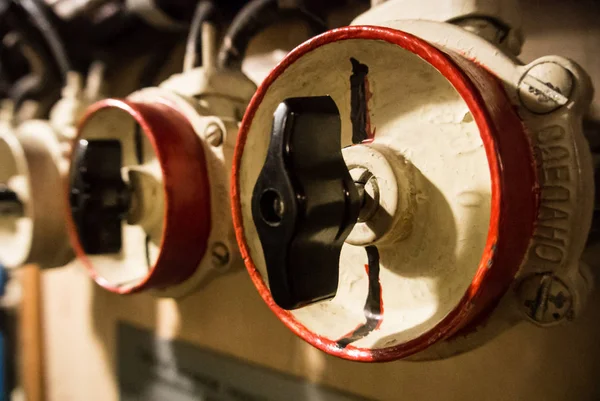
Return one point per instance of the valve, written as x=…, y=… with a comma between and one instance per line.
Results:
x=148, y=189
x=457, y=198
x=31, y=215
x=15, y=227
x=34, y=167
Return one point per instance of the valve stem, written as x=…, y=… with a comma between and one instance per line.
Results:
x=368, y=192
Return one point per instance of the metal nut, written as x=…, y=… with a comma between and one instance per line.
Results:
x=214, y=134
x=545, y=87
x=545, y=299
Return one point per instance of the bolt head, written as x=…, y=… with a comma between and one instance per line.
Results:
x=214, y=134
x=220, y=255
x=545, y=87
x=545, y=299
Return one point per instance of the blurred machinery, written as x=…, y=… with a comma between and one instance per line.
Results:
x=35, y=157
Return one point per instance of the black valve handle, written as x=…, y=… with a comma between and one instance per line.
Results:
x=99, y=197
x=304, y=203
x=10, y=204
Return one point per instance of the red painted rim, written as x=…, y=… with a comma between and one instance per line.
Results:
x=514, y=190
x=186, y=222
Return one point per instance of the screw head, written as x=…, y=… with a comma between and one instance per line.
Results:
x=545, y=87
x=545, y=299
x=214, y=134
x=220, y=255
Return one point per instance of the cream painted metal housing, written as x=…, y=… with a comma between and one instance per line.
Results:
x=213, y=102
x=15, y=230
x=222, y=252
x=497, y=21
x=563, y=160
x=507, y=12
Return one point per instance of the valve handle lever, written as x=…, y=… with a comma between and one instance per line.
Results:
x=304, y=203
x=99, y=198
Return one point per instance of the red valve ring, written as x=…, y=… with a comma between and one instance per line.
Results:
x=515, y=191
x=186, y=220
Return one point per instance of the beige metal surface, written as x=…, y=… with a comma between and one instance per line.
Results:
x=525, y=363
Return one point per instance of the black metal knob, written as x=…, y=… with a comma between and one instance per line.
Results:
x=304, y=203
x=99, y=197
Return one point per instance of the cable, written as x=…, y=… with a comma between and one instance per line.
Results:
x=25, y=88
x=50, y=34
x=256, y=16
x=205, y=11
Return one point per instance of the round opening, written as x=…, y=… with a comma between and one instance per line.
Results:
x=418, y=105
x=416, y=113
x=271, y=207
x=142, y=225
x=164, y=231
